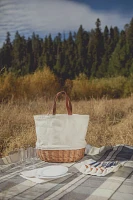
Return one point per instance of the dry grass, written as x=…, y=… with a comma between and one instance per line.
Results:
x=111, y=121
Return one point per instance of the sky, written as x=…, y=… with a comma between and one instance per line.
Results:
x=53, y=16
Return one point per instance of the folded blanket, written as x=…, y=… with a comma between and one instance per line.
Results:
x=110, y=153
x=104, y=160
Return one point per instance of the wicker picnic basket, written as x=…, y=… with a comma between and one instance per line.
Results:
x=59, y=155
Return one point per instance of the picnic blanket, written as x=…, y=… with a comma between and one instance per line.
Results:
x=110, y=153
x=77, y=186
x=104, y=160
x=107, y=156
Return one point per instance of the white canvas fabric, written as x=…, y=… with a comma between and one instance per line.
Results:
x=61, y=131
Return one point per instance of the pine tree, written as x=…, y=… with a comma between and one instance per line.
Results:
x=129, y=63
x=81, y=41
x=19, y=64
x=36, y=51
x=96, y=49
x=130, y=35
x=69, y=54
x=103, y=68
x=50, y=51
x=90, y=57
x=117, y=65
x=7, y=52
x=1, y=59
x=29, y=55
x=114, y=38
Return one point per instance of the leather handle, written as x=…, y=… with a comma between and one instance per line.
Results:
x=68, y=103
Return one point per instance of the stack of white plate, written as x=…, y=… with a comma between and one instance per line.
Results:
x=50, y=172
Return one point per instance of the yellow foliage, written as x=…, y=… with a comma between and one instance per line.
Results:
x=115, y=87
x=45, y=84
x=41, y=83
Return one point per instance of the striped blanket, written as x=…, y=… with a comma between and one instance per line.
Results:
x=110, y=153
x=76, y=186
x=105, y=160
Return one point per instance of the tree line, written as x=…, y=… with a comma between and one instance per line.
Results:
x=95, y=53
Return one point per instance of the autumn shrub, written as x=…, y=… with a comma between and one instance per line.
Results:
x=41, y=83
x=81, y=88
x=115, y=87
x=128, y=88
x=68, y=86
x=8, y=84
x=44, y=83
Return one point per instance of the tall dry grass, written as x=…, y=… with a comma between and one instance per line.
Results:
x=111, y=121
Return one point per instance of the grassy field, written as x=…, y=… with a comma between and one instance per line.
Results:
x=111, y=121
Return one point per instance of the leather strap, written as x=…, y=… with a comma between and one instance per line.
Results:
x=68, y=103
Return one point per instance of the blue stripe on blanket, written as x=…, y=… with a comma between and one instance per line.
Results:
x=114, y=153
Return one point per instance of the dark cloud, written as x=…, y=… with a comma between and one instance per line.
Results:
x=52, y=16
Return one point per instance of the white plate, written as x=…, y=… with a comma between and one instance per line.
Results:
x=52, y=177
x=52, y=171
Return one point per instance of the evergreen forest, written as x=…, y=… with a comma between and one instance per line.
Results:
x=96, y=53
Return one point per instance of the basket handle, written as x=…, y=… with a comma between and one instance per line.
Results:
x=68, y=103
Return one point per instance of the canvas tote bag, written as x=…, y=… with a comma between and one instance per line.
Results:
x=61, y=131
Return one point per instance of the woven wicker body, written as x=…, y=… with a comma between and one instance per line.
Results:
x=61, y=156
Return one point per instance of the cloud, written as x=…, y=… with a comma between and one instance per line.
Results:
x=52, y=16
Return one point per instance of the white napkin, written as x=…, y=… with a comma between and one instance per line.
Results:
x=35, y=180
x=96, y=168
x=30, y=175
